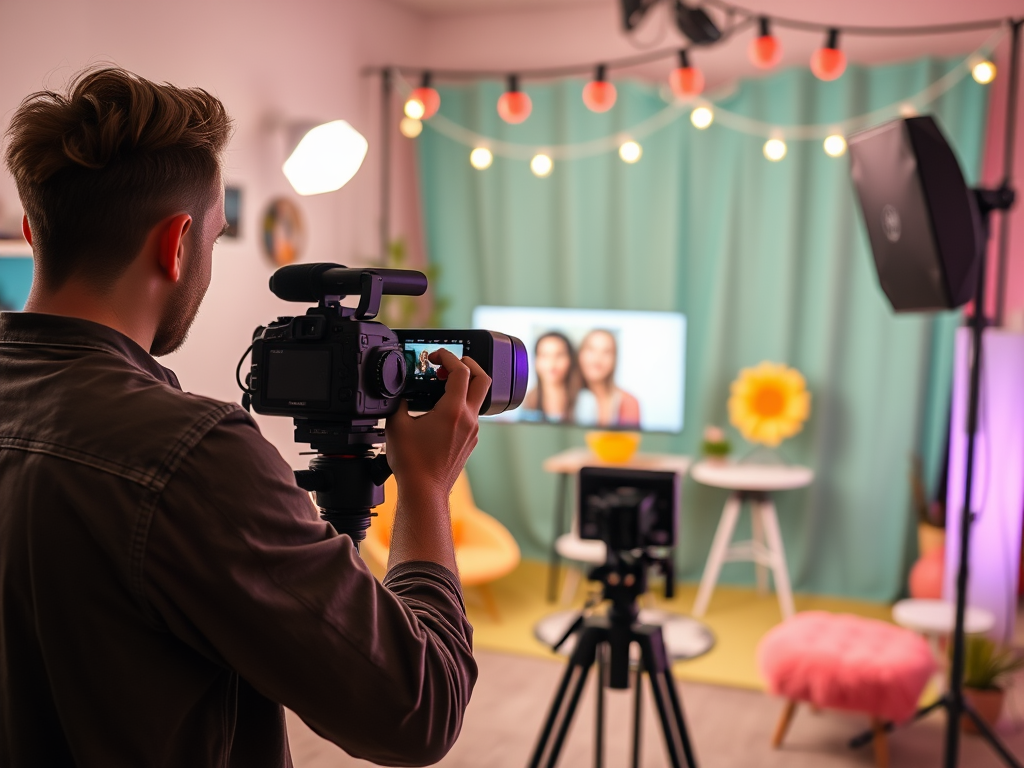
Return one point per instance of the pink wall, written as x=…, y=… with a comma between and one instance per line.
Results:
x=298, y=60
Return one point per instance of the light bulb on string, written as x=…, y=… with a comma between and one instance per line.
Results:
x=630, y=151
x=702, y=117
x=906, y=109
x=424, y=101
x=774, y=149
x=599, y=94
x=481, y=158
x=687, y=82
x=983, y=72
x=410, y=127
x=835, y=145
x=765, y=49
x=541, y=165
x=514, y=106
x=829, y=63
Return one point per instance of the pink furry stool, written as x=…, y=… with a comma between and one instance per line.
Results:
x=839, y=661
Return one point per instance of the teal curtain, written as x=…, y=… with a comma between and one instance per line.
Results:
x=768, y=261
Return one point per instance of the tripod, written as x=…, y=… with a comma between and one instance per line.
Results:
x=605, y=641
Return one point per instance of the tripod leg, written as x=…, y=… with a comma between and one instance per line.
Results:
x=663, y=686
x=599, y=715
x=865, y=737
x=990, y=736
x=582, y=658
x=638, y=695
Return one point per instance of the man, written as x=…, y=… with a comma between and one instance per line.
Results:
x=164, y=585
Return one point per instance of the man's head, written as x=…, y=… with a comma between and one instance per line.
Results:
x=117, y=167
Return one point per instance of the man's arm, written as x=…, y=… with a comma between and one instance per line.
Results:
x=241, y=569
x=427, y=454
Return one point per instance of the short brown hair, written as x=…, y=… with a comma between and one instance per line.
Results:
x=98, y=166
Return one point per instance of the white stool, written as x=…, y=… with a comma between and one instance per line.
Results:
x=751, y=482
x=570, y=546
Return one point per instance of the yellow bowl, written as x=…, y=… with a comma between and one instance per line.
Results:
x=614, y=447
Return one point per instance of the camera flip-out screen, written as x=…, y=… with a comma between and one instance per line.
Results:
x=299, y=375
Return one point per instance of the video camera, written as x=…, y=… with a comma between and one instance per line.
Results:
x=634, y=513
x=337, y=373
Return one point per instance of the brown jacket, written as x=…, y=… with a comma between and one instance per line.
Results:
x=165, y=587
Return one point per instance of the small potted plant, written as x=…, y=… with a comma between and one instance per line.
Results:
x=987, y=671
x=716, y=446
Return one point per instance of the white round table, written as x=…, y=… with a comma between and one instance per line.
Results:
x=753, y=483
x=937, y=618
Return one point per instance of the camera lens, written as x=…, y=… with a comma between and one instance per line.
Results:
x=391, y=370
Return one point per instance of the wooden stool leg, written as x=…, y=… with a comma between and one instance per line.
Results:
x=489, y=602
x=779, y=568
x=570, y=585
x=719, y=550
x=783, y=725
x=757, y=529
x=880, y=742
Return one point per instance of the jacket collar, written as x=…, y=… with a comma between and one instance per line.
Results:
x=35, y=329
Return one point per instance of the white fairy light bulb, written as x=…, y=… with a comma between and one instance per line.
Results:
x=481, y=158
x=541, y=165
x=630, y=151
x=775, y=149
x=702, y=117
x=835, y=145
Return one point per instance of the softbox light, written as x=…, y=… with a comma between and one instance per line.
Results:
x=922, y=219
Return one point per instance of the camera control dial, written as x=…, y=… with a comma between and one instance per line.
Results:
x=390, y=370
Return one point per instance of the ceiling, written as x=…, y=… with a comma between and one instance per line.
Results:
x=449, y=7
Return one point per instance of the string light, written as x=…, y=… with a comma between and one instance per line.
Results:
x=765, y=49
x=907, y=110
x=829, y=63
x=984, y=72
x=423, y=102
x=541, y=165
x=410, y=127
x=775, y=149
x=686, y=81
x=599, y=94
x=630, y=151
x=481, y=158
x=835, y=145
x=702, y=117
x=514, y=106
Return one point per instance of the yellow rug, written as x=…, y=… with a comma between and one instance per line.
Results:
x=738, y=617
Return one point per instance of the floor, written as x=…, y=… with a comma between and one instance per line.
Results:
x=729, y=727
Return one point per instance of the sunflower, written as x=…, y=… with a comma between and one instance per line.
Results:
x=769, y=403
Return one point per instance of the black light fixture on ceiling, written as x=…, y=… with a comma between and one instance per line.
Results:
x=696, y=24
x=633, y=12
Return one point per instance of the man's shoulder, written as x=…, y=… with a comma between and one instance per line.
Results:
x=99, y=410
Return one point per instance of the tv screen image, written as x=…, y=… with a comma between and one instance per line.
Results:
x=597, y=368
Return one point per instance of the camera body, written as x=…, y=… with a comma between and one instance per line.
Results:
x=325, y=366
x=628, y=509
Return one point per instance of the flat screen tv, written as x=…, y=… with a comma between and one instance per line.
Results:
x=597, y=368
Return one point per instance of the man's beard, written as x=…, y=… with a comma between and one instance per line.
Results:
x=180, y=312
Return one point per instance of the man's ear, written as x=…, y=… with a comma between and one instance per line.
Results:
x=26, y=230
x=171, y=245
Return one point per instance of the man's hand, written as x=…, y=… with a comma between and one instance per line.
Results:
x=427, y=453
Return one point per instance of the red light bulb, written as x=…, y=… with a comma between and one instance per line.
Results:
x=599, y=94
x=765, y=50
x=514, y=106
x=686, y=81
x=829, y=62
x=429, y=98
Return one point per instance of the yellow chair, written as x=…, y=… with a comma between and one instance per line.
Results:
x=484, y=549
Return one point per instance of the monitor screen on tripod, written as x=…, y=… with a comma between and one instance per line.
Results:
x=605, y=369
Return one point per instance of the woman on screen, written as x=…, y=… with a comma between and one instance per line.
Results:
x=424, y=369
x=601, y=402
x=558, y=380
